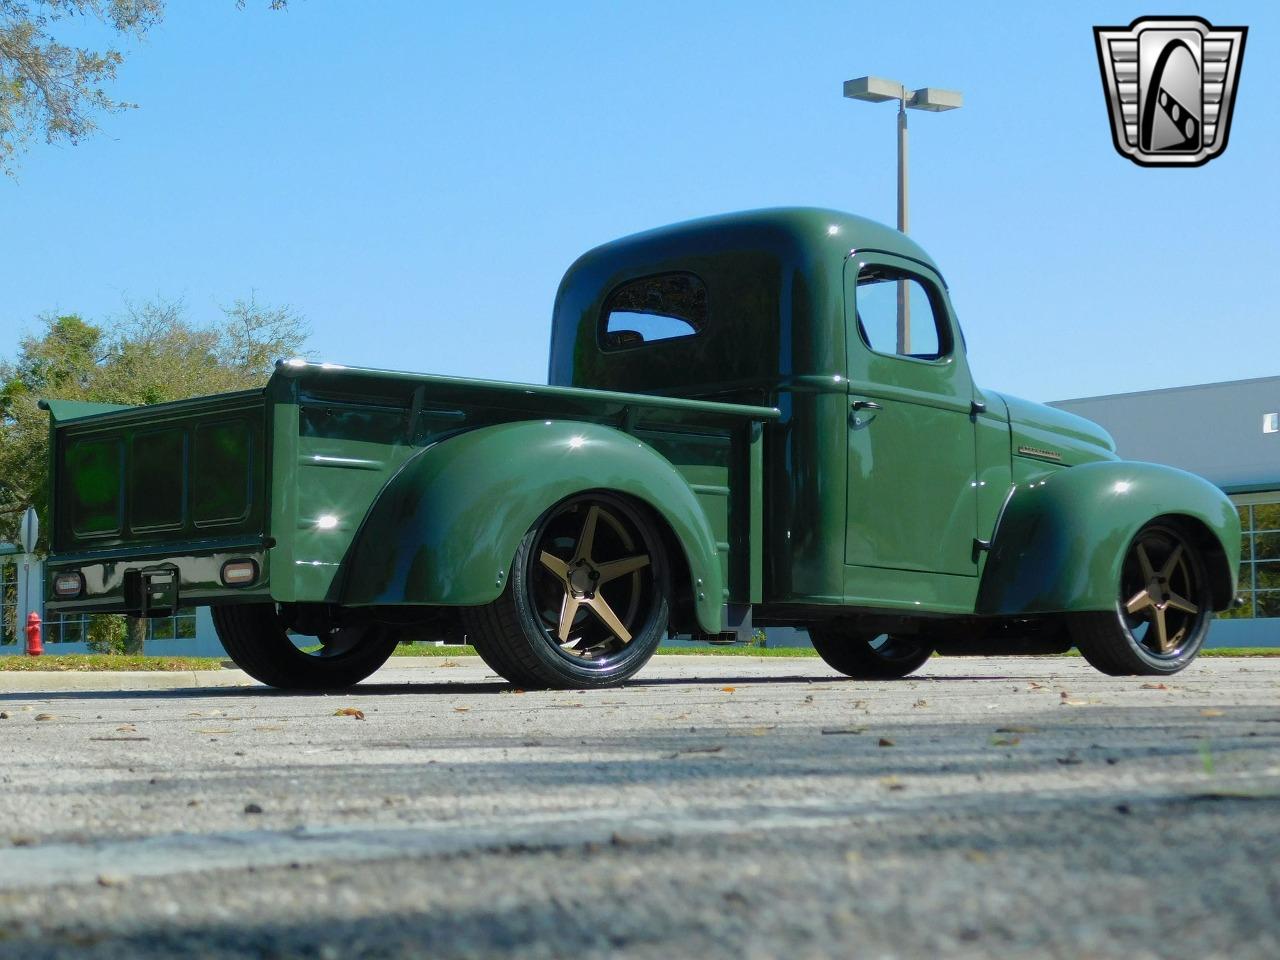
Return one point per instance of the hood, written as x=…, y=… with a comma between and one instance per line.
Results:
x=1037, y=429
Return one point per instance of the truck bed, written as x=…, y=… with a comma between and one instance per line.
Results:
x=174, y=491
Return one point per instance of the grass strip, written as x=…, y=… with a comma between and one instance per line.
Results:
x=90, y=662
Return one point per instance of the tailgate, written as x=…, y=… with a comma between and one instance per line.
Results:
x=166, y=493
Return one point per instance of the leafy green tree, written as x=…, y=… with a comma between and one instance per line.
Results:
x=150, y=354
x=55, y=90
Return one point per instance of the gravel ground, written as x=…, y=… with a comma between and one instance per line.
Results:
x=716, y=807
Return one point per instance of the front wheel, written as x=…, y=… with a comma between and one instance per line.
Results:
x=1163, y=609
x=867, y=656
x=284, y=646
x=587, y=601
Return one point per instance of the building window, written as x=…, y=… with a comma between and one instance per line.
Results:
x=9, y=632
x=67, y=628
x=1259, y=557
x=181, y=626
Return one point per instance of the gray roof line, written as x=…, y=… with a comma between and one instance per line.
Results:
x=1188, y=387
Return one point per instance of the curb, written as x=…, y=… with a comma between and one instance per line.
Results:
x=111, y=681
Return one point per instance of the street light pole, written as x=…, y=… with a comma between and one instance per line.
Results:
x=877, y=90
x=902, y=163
x=904, y=295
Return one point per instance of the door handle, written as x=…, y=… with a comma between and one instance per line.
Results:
x=855, y=406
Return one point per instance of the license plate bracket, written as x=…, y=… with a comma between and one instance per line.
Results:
x=152, y=592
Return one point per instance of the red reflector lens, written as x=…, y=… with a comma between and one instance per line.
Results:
x=239, y=573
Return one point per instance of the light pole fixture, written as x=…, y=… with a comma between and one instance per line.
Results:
x=878, y=90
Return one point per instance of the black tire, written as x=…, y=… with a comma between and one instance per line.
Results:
x=867, y=656
x=256, y=636
x=524, y=635
x=1162, y=573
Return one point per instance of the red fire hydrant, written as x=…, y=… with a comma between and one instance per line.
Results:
x=34, y=646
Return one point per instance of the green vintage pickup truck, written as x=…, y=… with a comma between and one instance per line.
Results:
x=751, y=420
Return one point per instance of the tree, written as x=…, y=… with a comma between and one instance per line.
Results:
x=149, y=354
x=57, y=90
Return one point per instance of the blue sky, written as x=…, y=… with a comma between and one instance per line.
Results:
x=415, y=177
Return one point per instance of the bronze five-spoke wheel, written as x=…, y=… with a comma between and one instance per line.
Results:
x=1163, y=608
x=587, y=600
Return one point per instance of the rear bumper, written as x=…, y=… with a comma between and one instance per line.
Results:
x=156, y=582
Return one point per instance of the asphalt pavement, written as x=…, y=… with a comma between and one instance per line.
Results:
x=714, y=807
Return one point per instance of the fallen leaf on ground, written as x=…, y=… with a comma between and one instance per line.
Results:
x=886, y=742
x=1203, y=713
x=728, y=689
x=761, y=731
x=111, y=880
x=921, y=703
x=127, y=728
x=349, y=712
x=892, y=783
x=1076, y=703
x=1017, y=729
x=214, y=731
x=46, y=716
x=1154, y=686
x=1005, y=741
x=458, y=709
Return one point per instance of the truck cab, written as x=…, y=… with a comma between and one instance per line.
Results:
x=888, y=468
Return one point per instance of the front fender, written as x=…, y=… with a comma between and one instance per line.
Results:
x=1061, y=541
x=445, y=528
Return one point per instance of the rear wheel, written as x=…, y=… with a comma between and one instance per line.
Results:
x=587, y=601
x=867, y=656
x=295, y=648
x=1163, y=608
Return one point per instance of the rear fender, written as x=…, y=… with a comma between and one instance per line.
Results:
x=445, y=528
x=1061, y=541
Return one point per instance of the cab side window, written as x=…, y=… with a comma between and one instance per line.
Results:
x=898, y=315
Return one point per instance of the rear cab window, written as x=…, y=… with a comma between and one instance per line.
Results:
x=663, y=307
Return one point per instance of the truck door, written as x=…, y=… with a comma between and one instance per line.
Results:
x=911, y=494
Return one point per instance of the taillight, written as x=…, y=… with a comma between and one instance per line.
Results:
x=68, y=585
x=239, y=573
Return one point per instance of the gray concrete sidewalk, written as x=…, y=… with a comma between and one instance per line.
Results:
x=718, y=807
